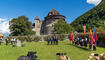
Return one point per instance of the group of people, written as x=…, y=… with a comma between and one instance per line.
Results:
x=97, y=56
x=84, y=42
x=52, y=40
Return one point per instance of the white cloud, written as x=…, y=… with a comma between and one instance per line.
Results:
x=95, y=2
x=4, y=26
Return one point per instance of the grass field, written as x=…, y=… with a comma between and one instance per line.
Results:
x=46, y=52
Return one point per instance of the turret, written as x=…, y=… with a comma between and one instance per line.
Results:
x=38, y=23
x=36, y=18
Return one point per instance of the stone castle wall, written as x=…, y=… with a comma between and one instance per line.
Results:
x=37, y=28
x=47, y=26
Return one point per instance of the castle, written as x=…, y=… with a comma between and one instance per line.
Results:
x=47, y=25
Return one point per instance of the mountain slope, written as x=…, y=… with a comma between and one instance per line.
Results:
x=90, y=18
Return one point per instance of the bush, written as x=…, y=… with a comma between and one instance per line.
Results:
x=61, y=37
x=22, y=39
x=9, y=39
x=28, y=38
x=46, y=38
x=101, y=39
x=36, y=39
x=82, y=35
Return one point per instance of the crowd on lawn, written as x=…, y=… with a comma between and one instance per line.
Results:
x=84, y=43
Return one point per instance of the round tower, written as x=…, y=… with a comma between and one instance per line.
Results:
x=50, y=20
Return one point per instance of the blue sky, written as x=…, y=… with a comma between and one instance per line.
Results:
x=31, y=8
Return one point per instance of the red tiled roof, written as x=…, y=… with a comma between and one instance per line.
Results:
x=53, y=12
x=36, y=18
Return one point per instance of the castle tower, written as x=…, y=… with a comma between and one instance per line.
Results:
x=50, y=20
x=38, y=23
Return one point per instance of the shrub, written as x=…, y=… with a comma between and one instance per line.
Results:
x=9, y=39
x=36, y=39
x=82, y=35
x=22, y=39
x=46, y=38
x=101, y=39
x=61, y=37
x=28, y=38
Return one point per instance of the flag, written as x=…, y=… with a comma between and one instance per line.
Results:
x=72, y=37
x=95, y=37
x=84, y=28
x=91, y=37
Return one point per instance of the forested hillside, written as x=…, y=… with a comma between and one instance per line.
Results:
x=91, y=19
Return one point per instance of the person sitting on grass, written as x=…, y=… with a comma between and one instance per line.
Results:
x=93, y=55
x=102, y=56
x=96, y=56
x=62, y=56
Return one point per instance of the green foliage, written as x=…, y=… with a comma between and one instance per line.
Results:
x=28, y=38
x=101, y=39
x=9, y=39
x=61, y=27
x=61, y=37
x=36, y=39
x=22, y=39
x=100, y=26
x=90, y=18
x=82, y=35
x=20, y=26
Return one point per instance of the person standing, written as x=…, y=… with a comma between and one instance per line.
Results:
x=90, y=46
x=56, y=41
x=94, y=47
x=0, y=40
x=51, y=39
x=85, y=42
x=48, y=40
x=81, y=42
x=6, y=40
x=12, y=41
x=77, y=41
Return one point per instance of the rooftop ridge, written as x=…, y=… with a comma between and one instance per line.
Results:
x=36, y=18
x=53, y=12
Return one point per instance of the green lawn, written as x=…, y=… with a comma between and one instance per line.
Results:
x=46, y=52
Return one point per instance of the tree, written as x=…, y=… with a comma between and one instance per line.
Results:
x=100, y=26
x=90, y=18
x=61, y=27
x=20, y=26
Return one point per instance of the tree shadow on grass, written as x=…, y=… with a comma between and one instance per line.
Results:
x=83, y=48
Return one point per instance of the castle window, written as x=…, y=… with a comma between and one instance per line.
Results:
x=52, y=25
x=38, y=26
x=50, y=14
